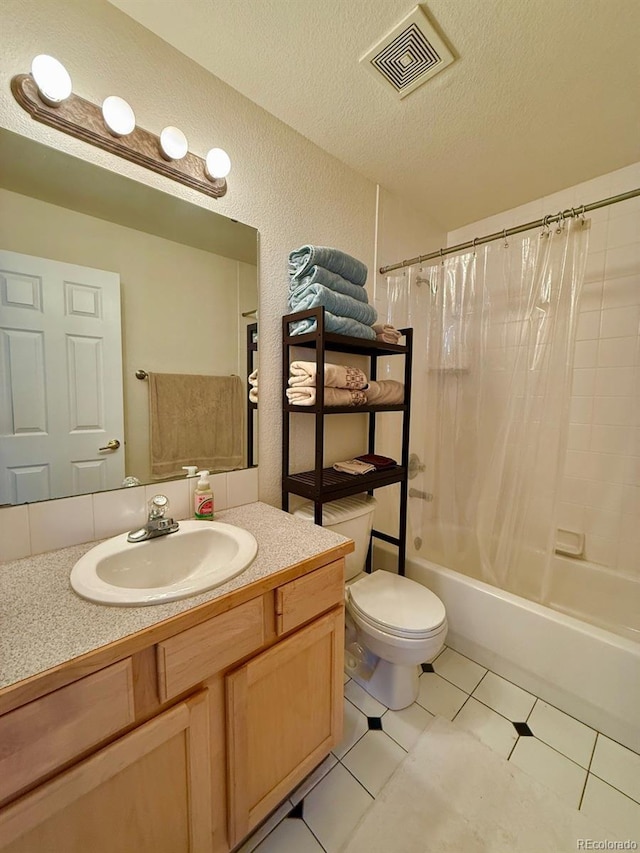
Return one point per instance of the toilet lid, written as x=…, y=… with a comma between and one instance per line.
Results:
x=396, y=602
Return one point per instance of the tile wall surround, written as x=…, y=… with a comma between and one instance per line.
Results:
x=600, y=494
x=35, y=528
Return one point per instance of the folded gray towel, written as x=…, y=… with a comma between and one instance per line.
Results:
x=319, y=275
x=302, y=259
x=336, y=303
x=333, y=323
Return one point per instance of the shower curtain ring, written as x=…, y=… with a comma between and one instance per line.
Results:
x=475, y=243
x=442, y=256
x=545, y=226
x=506, y=242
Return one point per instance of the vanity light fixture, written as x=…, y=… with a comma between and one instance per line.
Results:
x=173, y=143
x=217, y=164
x=51, y=78
x=47, y=95
x=118, y=116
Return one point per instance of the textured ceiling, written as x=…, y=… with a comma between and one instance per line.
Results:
x=543, y=94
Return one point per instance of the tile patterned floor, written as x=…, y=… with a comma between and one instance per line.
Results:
x=584, y=768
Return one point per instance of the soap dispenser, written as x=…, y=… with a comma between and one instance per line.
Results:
x=203, y=497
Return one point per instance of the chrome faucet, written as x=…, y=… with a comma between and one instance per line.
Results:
x=157, y=523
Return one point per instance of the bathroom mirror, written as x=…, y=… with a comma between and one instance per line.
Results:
x=186, y=282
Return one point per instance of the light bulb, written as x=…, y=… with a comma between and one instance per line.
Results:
x=52, y=79
x=217, y=164
x=118, y=115
x=173, y=143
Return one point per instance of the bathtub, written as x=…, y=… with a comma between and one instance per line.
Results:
x=591, y=673
x=612, y=600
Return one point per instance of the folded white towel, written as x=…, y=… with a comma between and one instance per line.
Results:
x=354, y=466
x=253, y=382
x=387, y=333
x=335, y=375
x=306, y=396
x=385, y=392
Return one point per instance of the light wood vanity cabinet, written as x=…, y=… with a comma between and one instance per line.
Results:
x=148, y=791
x=284, y=712
x=206, y=729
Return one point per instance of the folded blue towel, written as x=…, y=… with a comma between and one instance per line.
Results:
x=336, y=303
x=319, y=275
x=300, y=261
x=339, y=325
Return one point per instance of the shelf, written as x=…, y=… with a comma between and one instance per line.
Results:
x=341, y=343
x=322, y=485
x=334, y=342
x=252, y=349
x=335, y=484
x=345, y=410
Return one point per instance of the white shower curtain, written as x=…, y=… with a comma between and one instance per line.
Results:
x=494, y=336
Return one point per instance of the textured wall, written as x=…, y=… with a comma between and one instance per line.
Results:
x=282, y=184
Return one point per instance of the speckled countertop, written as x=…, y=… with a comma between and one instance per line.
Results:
x=43, y=623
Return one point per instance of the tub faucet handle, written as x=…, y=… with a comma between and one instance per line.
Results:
x=415, y=466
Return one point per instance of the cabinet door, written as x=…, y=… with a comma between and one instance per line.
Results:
x=284, y=714
x=147, y=792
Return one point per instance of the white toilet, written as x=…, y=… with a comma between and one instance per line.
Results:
x=393, y=623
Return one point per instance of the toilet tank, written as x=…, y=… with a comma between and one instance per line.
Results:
x=351, y=517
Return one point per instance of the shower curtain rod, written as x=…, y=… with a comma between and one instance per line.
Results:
x=518, y=229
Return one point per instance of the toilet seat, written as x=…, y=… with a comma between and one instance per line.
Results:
x=397, y=606
x=395, y=632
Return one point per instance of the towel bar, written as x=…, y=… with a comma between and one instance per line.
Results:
x=142, y=374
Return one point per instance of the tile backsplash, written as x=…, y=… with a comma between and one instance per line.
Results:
x=600, y=494
x=35, y=528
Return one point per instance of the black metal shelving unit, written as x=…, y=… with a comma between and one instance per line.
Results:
x=321, y=484
x=252, y=349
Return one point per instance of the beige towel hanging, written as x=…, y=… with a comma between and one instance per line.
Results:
x=195, y=420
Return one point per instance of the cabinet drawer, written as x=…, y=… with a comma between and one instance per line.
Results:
x=195, y=655
x=47, y=733
x=304, y=598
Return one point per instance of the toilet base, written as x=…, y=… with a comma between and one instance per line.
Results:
x=393, y=684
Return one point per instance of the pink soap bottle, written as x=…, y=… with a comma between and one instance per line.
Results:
x=203, y=497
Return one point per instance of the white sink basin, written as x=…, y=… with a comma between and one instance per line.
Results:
x=197, y=557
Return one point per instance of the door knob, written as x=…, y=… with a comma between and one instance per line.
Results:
x=114, y=444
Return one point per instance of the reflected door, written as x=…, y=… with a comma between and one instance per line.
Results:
x=61, y=412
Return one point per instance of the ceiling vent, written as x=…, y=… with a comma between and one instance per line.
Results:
x=408, y=55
